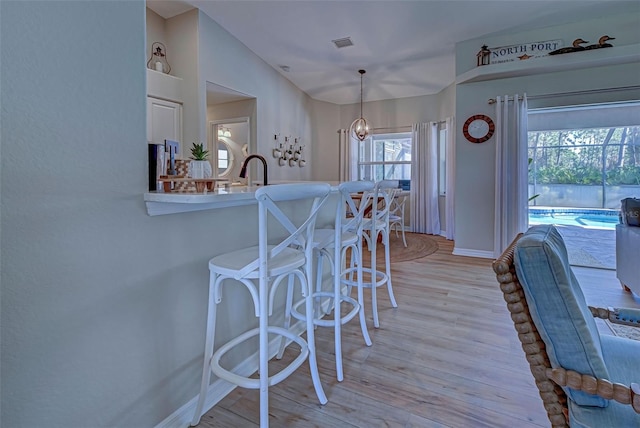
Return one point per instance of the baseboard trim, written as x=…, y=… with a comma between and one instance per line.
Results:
x=219, y=389
x=472, y=253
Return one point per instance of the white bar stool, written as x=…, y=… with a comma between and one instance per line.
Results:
x=347, y=232
x=396, y=215
x=268, y=264
x=378, y=225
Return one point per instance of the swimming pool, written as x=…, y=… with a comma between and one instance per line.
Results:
x=585, y=217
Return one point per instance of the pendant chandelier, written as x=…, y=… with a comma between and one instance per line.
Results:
x=360, y=127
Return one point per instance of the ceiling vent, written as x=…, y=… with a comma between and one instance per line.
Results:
x=343, y=43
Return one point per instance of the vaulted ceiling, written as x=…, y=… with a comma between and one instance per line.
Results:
x=406, y=47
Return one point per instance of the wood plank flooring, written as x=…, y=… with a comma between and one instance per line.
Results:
x=448, y=356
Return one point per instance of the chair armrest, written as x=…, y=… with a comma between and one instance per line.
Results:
x=626, y=316
x=601, y=387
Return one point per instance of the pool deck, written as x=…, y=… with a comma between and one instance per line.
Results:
x=589, y=246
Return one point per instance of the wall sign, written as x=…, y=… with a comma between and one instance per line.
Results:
x=523, y=51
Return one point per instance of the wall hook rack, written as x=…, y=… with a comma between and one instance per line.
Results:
x=289, y=151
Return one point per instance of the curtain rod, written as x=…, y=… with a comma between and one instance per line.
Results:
x=402, y=127
x=392, y=127
x=560, y=94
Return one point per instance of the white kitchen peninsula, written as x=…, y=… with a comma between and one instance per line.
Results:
x=160, y=203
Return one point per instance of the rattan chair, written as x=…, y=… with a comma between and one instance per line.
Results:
x=523, y=273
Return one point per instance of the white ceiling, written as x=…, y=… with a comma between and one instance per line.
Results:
x=406, y=47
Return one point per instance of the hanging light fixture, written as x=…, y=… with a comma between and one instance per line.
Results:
x=360, y=127
x=224, y=132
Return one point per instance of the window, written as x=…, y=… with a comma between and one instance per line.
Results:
x=584, y=156
x=223, y=158
x=385, y=157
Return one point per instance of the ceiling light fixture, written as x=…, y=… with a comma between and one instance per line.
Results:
x=360, y=127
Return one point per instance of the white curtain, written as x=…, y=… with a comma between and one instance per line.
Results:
x=425, y=216
x=450, y=179
x=347, y=156
x=511, y=191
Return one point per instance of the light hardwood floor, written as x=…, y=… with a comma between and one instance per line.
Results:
x=448, y=356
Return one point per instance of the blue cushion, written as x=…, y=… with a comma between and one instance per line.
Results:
x=558, y=307
x=621, y=357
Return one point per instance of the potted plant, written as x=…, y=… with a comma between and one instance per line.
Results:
x=199, y=167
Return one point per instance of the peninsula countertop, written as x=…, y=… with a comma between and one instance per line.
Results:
x=161, y=203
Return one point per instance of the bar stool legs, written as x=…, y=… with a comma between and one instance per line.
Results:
x=340, y=278
x=333, y=245
x=378, y=224
x=338, y=298
x=208, y=351
x=379, y=278
x=269, y=265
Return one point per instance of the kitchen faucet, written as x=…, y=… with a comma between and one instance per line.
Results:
x=243, y=170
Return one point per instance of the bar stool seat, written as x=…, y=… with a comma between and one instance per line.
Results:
x=230, y=264
x=268, y=265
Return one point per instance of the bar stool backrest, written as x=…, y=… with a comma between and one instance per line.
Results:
x=268, y=203
x=397, y=206
x=384, y=192
x=347, y=203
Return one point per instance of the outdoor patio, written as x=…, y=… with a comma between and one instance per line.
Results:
x=589, y=233
x=590, y=247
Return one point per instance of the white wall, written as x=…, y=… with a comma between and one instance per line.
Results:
x=624, y=27
x=401, y=112
x=475, y=162
x=91, y=318
x=156, y=32
x=182, y=53
x=103, y=307
x=326, y=123
x=281, y=107
x=447, y=102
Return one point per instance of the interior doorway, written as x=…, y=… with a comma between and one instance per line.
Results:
x=231, y=134
x=229, y=143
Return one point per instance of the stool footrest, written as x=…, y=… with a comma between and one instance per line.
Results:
x=321, y=322
x=379, y=274
x=253, y=383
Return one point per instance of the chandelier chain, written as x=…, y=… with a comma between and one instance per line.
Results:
x=361, y=75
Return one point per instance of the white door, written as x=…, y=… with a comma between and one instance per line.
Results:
x=164, y=120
